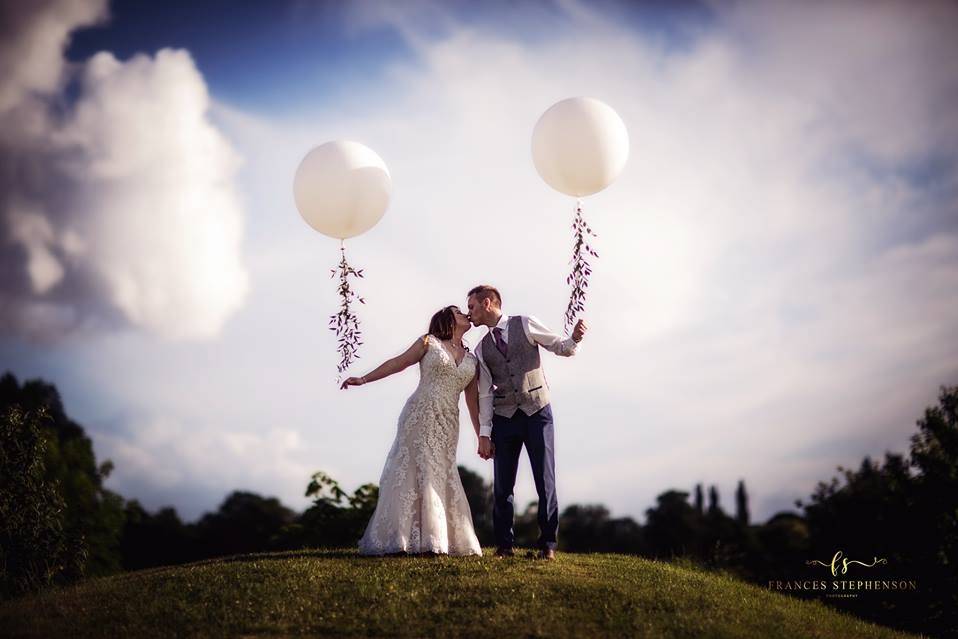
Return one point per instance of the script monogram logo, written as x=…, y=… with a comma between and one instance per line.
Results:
x=844, y=562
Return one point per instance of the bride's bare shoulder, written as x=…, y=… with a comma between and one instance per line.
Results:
x=416, y=351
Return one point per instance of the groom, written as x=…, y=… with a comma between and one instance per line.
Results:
x=514, y=410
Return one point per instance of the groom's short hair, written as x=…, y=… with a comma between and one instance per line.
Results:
x=484, y=292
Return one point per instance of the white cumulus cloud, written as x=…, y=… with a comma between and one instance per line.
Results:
x=119, y=205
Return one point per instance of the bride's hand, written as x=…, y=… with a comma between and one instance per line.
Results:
x=353, y=381
x=486, y=448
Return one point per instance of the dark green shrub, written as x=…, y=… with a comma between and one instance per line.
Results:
x=34, y=547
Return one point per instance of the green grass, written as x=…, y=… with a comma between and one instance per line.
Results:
x=338, y=593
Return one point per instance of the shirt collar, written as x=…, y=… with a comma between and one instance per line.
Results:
x=503, y=321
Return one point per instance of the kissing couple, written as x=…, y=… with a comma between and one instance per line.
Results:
x=422, y=507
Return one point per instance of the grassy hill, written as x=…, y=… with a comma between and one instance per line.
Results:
x=338, y=593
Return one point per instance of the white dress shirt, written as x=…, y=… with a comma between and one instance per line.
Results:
x=536, y=333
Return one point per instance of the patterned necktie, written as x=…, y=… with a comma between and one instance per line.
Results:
x=500, y=343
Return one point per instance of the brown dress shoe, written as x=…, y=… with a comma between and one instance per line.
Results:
x=505, y=552
x=547, y=553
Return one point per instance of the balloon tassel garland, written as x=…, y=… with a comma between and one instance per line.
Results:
x=581, y=269
x=345, y=323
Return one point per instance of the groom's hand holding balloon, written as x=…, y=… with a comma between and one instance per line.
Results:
x=578, y=332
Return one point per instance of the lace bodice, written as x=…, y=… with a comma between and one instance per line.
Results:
x=439, y=374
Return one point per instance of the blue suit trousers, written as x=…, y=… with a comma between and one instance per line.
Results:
x=537, y=433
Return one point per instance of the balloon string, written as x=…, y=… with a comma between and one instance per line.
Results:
x=345, y=323
x=581, y=269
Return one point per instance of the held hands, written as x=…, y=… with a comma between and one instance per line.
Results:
x=578, y=331
x=486, y=448
x=353, y=381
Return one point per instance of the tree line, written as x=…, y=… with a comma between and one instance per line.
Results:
x=59, y=524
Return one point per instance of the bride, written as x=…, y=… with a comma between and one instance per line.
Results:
x=422, y=507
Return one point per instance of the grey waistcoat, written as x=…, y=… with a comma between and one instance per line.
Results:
x=518, y=382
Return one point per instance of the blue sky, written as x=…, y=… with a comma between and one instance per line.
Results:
x=779, y=259
x=263, y=56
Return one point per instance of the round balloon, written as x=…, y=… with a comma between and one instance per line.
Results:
x=342, y=188
x=579, y=146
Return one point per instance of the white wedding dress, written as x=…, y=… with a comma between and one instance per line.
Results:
x=422, y=505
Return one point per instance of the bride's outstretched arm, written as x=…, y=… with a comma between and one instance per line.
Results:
x=472, y=401
x=393, y=365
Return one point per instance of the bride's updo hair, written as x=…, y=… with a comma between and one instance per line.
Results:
x=443, y=322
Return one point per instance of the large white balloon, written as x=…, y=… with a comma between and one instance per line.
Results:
x=579, y=146
x=342, y=188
